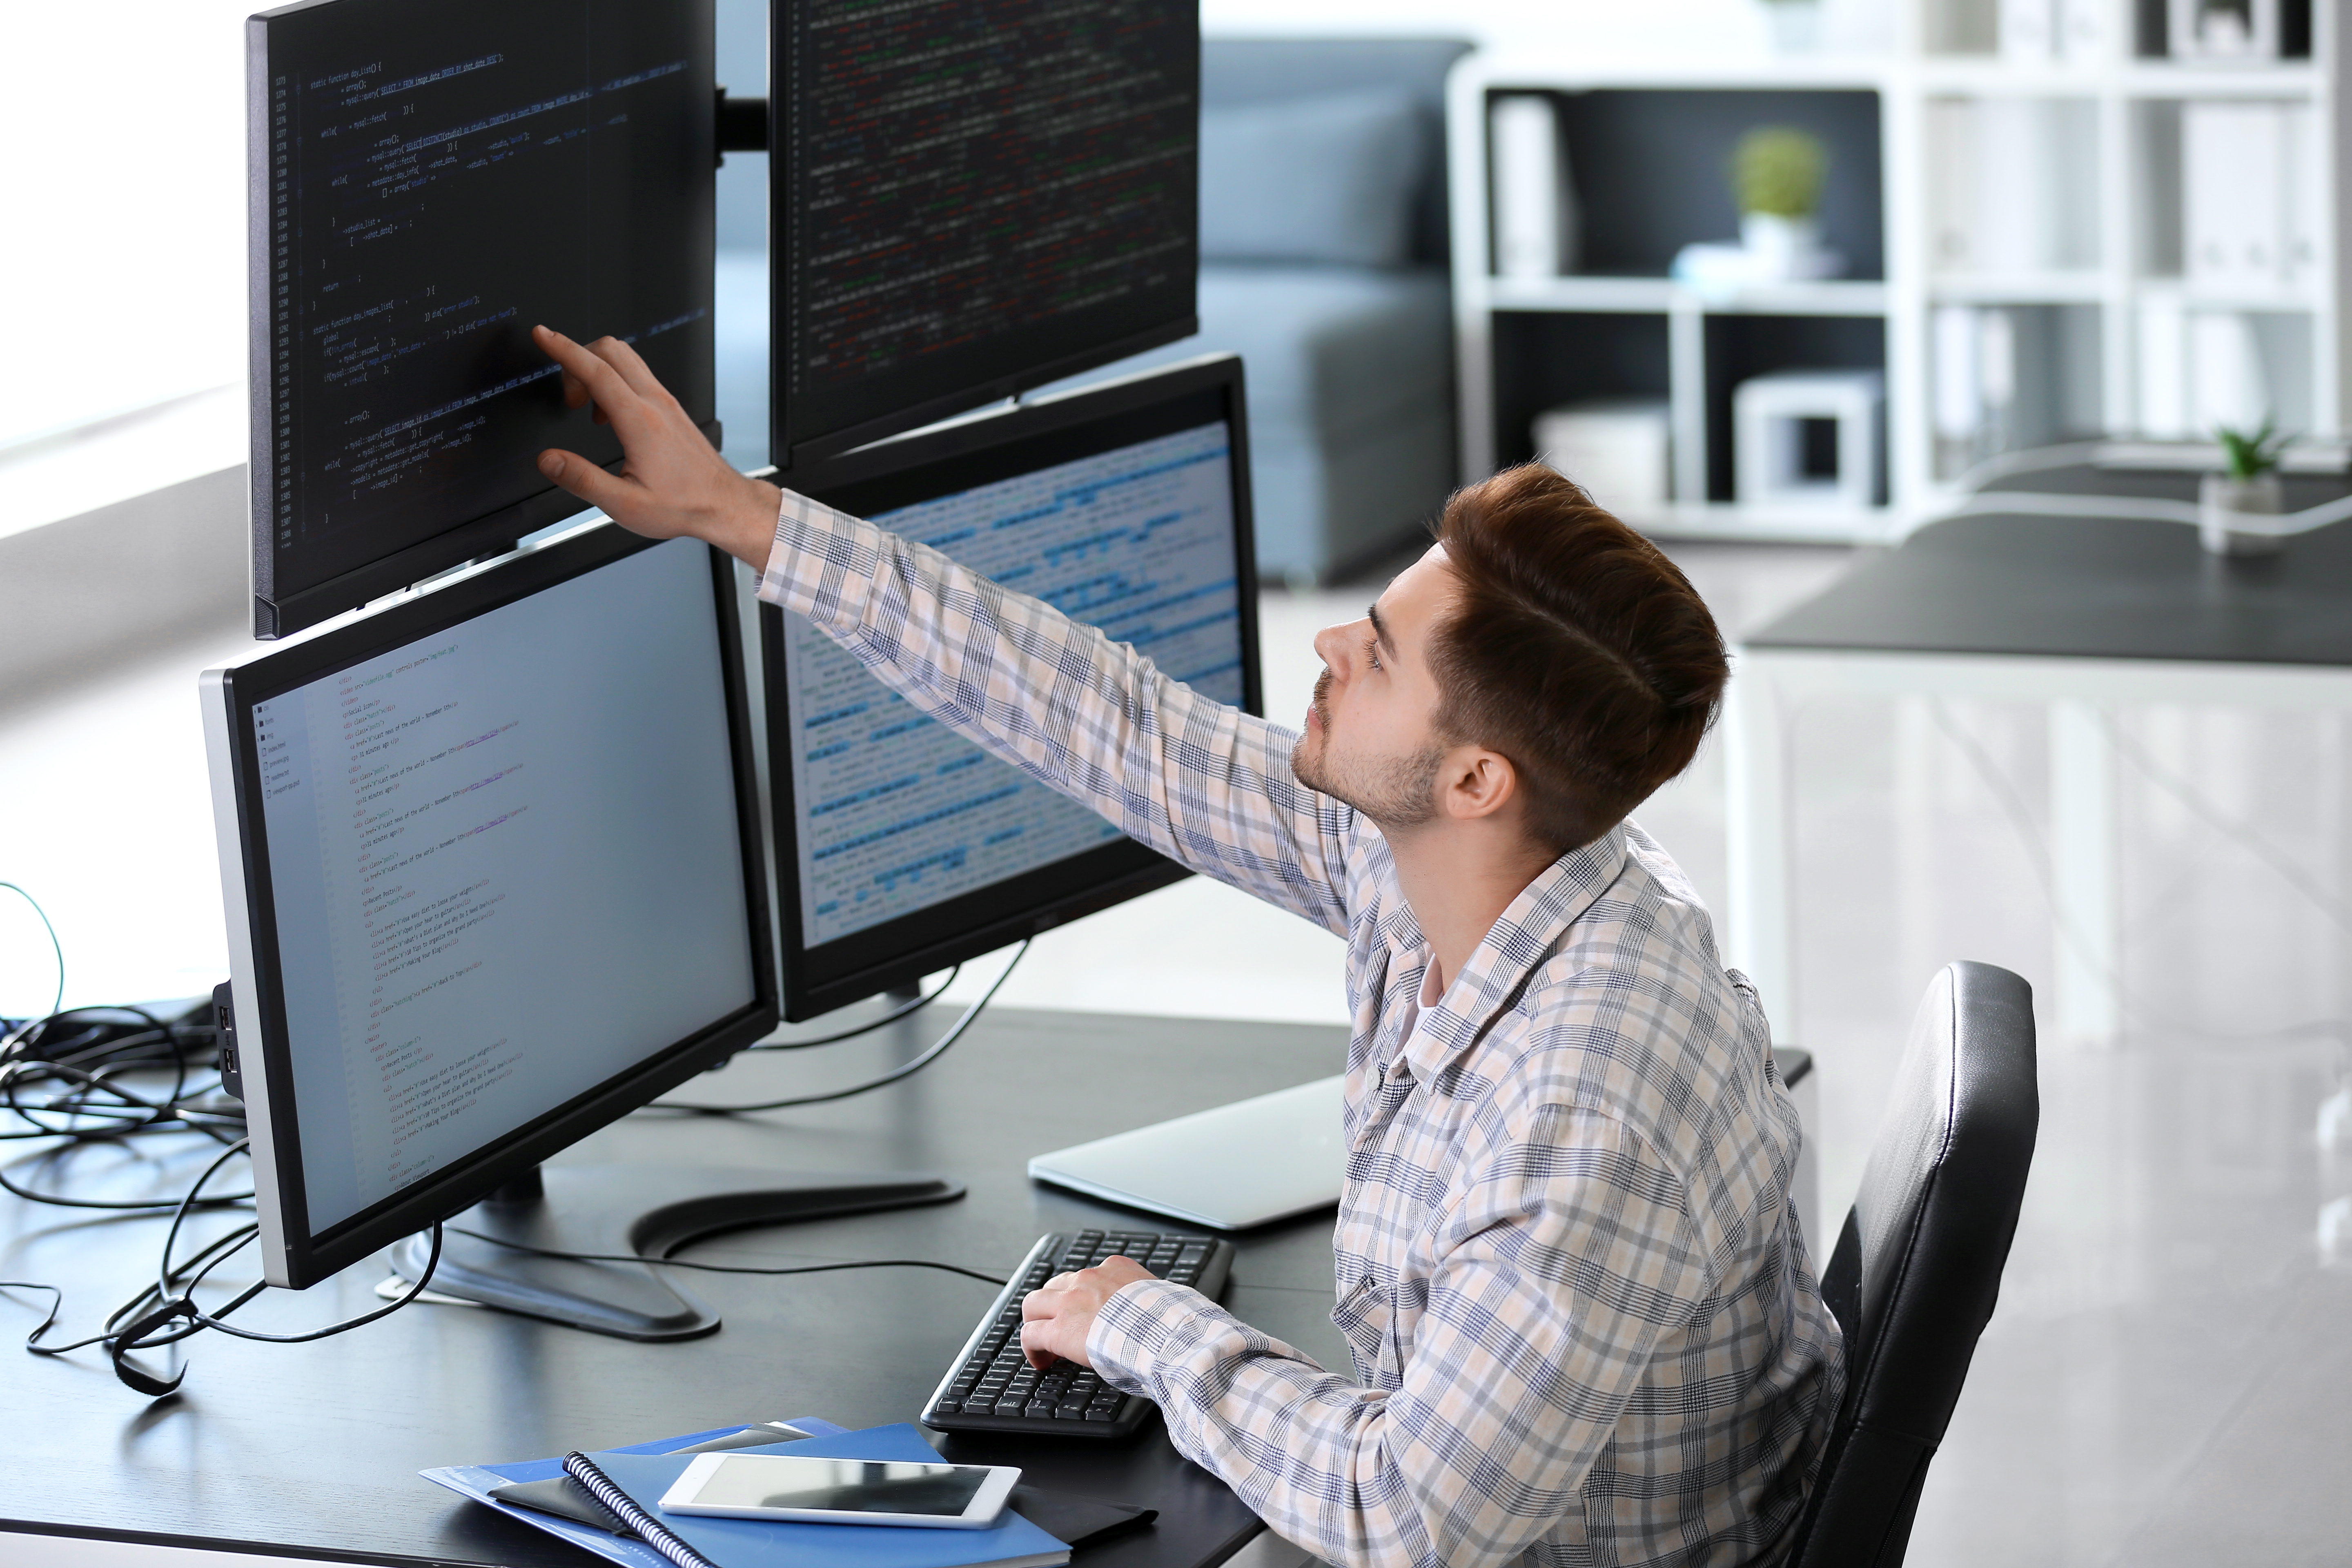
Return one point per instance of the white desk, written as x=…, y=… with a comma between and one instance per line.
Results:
x=2090, y=616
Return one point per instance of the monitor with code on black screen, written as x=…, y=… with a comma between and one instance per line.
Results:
x=430, y=179
x=969, y=198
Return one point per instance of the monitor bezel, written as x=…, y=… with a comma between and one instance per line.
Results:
x=281, y=613
x=1059, y=891
x=293, y=1255
x=792, y=452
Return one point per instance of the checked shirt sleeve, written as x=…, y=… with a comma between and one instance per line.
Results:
x=1563, y=1265
x=1200, y=781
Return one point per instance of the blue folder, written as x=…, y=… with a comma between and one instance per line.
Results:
x=645, y=1470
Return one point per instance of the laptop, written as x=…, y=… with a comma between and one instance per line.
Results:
x=1241, y=1165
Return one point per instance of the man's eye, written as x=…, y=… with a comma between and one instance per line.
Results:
x=1372, y=653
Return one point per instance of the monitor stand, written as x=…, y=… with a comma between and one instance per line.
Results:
x=632, y=1210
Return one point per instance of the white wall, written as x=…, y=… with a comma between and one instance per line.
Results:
x=124, y=188
x=1662, y=30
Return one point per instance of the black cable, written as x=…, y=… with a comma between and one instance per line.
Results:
x=117, y=1206
x=64, y=1077
x=202, y=1263
x=164, y=1282
x=213, y=1321
x=905, y=1010
x=55, y=946
x=56, y=1305
x=143, y=1334
x=955, y=1031
x=165, y=1312
x=157, y=1113
x=724, y=1268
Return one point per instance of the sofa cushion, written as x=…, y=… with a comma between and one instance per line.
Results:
x=1333, y=349
x=1329, y=179
x=1326, y=349
x=1351, y=386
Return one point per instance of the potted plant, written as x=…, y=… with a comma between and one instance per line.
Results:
x=1776, y=172
x=2246, y=488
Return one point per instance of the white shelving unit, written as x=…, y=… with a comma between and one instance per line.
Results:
x=2089, y=294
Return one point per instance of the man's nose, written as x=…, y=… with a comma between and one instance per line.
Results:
x=1331, y=648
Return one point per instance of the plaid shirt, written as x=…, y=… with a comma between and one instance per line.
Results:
x=1584, y=1325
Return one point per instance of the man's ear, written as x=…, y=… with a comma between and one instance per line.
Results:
x=1475, y=782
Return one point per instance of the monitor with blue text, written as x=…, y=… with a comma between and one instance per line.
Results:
x=902, y=846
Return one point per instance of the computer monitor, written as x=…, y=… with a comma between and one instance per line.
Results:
x=493, y=878
x=969, y=198
x=429, y=180
x=902, y=848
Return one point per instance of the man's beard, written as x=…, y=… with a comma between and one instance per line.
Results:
x=1393, y=792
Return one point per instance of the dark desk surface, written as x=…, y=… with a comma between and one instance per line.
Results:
x=2092, y=587
x=314, y=1448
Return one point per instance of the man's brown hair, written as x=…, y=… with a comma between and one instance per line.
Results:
x=1575, y=648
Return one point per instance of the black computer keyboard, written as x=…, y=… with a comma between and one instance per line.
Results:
x=992, y=1388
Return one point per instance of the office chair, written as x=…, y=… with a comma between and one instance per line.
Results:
x=1918, y=1267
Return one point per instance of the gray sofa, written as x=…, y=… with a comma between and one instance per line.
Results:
x=1323, y=265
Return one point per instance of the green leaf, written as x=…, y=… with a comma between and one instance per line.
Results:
x=1778, y=169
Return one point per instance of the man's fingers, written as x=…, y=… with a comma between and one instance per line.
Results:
x=630, y=364
x=586, y=481
x=603, y=382
x=1034, y=1348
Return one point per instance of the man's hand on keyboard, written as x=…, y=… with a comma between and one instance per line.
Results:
x=1057, y=1317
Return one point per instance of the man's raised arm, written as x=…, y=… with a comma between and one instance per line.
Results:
x=1195, y=779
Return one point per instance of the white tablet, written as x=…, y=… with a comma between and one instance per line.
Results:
x=843, y=1492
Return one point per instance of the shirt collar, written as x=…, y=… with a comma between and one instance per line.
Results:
x=1522, y=938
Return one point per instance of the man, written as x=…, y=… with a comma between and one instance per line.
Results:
x=1583, y=1322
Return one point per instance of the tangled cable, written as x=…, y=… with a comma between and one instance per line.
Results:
x=81, y=1076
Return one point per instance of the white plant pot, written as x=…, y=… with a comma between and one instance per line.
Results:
x=1782, y=249
x=2225, y=505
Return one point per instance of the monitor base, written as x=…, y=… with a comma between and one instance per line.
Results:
x=645, y=1210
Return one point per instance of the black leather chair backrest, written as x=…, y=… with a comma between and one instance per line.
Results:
x=1918, y=1267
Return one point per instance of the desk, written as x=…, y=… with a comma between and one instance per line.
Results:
x=313, y=1449
x=2086, y=614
